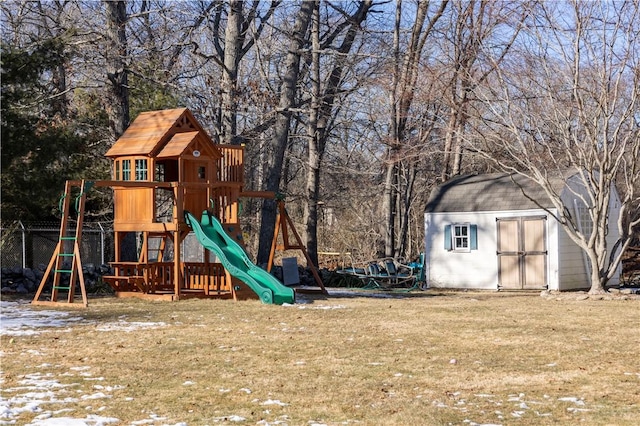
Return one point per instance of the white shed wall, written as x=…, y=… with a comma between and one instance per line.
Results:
x=574, y=272
x=477, y=269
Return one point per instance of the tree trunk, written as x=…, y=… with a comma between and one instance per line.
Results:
x=229, y=84
x=404, y=80
x=322, y=110
x=314, y=159
x=281, y=127
x=117, y=107
x=389, y=202
x=407, y=196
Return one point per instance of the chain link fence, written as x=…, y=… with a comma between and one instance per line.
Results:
x=30, y=245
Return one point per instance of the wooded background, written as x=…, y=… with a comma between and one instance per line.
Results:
x=352, y=109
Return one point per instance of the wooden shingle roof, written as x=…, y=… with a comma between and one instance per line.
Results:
x=152, y=130
x=489, y=192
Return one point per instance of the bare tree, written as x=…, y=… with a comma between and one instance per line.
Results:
x=468, y=61
x=288, y=93
x=405, y=71
x=570, y=101
x=236, y=45
x=117, y=104
x=323, y=98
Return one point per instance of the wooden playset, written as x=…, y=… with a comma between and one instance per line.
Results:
x=164, y=165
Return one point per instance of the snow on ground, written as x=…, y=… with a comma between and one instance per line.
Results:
x=40, y=388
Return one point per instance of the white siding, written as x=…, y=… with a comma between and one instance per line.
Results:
x=477, y=269
x=572, y=260
x=574, y=272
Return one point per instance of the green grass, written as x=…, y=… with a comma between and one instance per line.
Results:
x=432, y=358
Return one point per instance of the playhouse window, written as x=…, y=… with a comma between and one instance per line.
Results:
x=159, y=172
x=117, y=171
x=126, y=169
x=141, y=169
x=461, y=237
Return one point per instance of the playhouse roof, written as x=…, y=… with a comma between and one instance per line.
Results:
x=158, y=131
x=490, y=192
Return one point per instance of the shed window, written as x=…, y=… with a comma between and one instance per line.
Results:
x=126, y=169
x=141, y=169
x=117, y=170
x=461, y=237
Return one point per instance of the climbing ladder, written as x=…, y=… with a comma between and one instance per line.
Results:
x=65, y=260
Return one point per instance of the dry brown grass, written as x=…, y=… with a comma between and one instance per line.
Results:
x=435, y=358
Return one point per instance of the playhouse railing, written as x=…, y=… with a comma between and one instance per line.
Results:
x=158, y=277
x=225, y=202
x=231, y=166
x=210, y=278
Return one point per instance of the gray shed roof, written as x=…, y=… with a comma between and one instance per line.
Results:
x=489, y=192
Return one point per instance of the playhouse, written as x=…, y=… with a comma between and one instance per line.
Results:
x=497, y=232
x=167, y=173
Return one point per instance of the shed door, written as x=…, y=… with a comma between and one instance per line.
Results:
x=522, y=253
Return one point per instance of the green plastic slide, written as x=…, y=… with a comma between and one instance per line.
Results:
x=212, y=236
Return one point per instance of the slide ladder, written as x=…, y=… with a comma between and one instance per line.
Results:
x=65, y=261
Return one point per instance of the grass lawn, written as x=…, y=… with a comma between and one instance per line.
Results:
x=427, y=358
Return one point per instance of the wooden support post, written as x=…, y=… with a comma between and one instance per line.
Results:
x=61, y=254
x=177, y=254
x=284, y=222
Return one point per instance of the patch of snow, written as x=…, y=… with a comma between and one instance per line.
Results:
x=322, y=307
x=471, y=423
x=274, y=402
x=97, y=395
x=90, y=420
x=18, y=320
x=575, y=400
x=129, y=326
x=231, y=418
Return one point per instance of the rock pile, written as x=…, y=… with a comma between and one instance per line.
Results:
x=25, y=280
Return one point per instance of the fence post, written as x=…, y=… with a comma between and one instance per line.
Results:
x=24, y=244
x=102, y=262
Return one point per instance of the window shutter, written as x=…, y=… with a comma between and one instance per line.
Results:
x=473, y=243
x=447, y=237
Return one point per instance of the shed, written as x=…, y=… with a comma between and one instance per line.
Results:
x=498, y=231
